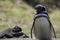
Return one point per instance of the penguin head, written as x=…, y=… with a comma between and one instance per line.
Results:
x=17, y=29
x=40, y=8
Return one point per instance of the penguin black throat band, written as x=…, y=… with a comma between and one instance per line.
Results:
x=46, y=16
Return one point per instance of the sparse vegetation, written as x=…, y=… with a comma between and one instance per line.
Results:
x=18, y=13
x=55, y=19
x=22, y=14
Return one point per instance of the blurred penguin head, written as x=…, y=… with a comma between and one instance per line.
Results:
x=16, y=29
x=40, y=8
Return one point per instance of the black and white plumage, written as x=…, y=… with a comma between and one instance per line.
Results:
x=15, y=32
x=42, y=24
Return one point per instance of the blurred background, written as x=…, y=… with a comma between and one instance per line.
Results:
x=22, y=12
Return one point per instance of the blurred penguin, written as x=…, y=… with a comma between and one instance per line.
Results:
x=15, y=32
x=41, y=24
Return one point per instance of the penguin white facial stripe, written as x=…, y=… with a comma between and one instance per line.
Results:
x=40, y=5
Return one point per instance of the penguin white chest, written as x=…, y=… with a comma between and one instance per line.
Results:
x=42, y=28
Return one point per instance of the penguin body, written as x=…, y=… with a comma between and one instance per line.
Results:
x=42, y=30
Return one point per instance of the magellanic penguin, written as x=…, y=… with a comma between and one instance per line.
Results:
x=42, y=25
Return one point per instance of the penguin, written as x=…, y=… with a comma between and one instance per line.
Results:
x=42, y=25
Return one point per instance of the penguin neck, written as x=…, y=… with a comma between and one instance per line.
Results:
x=41, y=13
